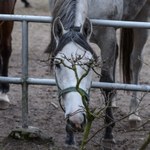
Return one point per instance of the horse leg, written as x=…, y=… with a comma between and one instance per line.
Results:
x=140, y=38
x=6, y=50
x=136, y=64
x=70, y=139
x=106, y=40
x=4, y=87
x=114, y=100
x=4, y=100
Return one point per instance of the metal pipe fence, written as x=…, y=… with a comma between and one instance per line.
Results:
x=25, y=80
x=99, y=22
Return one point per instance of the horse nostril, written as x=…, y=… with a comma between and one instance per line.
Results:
x=84, y=121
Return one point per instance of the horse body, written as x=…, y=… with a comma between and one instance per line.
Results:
x=132, y=8
x=131, y=46
x=105, y=38
x=105, y=11
x=6, y=7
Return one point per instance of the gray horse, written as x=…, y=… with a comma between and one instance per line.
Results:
x=131, y=46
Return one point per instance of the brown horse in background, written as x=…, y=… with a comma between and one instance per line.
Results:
x=6, y=27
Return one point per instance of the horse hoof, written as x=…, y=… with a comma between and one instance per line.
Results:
x=108, y=144
x=71, y=147
x=134, y=124
x=4, y=101
x=112, y=141
x=114, y=107
x=134, y=120
x=114, y=104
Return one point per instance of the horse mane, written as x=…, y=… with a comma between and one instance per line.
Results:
x=66, y=10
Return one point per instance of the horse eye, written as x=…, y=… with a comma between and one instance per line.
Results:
x=57, y=64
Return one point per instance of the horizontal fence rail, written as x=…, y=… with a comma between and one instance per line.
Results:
x=25, y=80
x=104, y=85
x=99, y=22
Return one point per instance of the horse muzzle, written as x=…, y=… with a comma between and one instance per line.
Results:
x=74, y=126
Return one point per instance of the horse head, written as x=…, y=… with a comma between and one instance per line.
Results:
x=72, y=62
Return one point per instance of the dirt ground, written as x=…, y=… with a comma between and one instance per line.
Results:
x=50, y=119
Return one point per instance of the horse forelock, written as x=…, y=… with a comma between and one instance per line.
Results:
x=75, y=37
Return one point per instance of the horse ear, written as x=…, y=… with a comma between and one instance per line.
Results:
x=87, y=28
x=58, y=29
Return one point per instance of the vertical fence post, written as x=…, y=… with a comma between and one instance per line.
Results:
x=24, y=74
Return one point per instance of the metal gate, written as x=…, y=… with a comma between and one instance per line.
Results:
x=25, y=80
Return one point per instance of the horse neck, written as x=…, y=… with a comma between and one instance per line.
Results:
x=71, y=12
x=132, y=8
x=81, y=12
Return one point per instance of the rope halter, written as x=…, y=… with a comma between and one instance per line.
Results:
x=62, y=92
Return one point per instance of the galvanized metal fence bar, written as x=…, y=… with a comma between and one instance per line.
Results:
x=24, y=74
x=116, y=86
x=99, y=22
x=25, y=80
